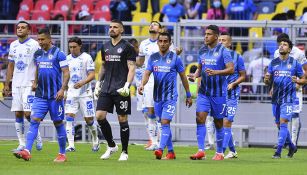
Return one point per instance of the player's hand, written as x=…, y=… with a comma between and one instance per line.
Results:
x=230, y=86
x=210, y=72
x=124, y=91
x=34, y=86
x=188, y=102
x=7, y=91
x=294, y=79
x=141, y=89
x=97, y=89
x=59, y=95
x=79, y=84
x=179, y=50
x=191, y=77
x=271, y=92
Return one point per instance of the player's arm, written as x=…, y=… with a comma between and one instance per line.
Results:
x=187, y=88
x=299, y=73
x=196, y=74
x=227, y=71
x=140, y=61
x=9, y=75
x=144, y=81
x=89, y=78
x=242, y=75
x=131, y=73
x=60, y=94
x=34, y=83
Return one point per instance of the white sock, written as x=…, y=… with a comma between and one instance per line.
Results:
x=93, y=131
x=152, y=128
x=295, y=129
x=70, y=131
x=20, y=131
x=210, y=130
x=146, y=123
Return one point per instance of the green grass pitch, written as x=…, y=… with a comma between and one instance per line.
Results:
x=251, y=161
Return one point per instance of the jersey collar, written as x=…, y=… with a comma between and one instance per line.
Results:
x=24, y=40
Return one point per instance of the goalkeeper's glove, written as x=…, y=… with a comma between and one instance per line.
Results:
x=124, y=91
x=97, y=89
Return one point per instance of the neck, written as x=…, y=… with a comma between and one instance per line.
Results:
x=153, y=36
x=116, y=40
x=284, y=57
x=163, y=53
x=76, y=55
x=48, y=47
x=22, y=39
x=212, y=45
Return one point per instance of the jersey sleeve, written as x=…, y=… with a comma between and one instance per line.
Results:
x=90, y=65
x=302, y=58
x=11, y=54
x=179, y=65
x=227, y=56
x=299, y=70
x=276, y=53
x=240, y=63
x=141, y=50
x=270, y=69
x=62, y=59
x=131, y=54
x=149, y=65
x=103, y=54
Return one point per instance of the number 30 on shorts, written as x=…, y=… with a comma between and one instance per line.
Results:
x=124, y=105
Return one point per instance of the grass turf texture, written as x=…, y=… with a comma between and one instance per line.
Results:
x=254, y=161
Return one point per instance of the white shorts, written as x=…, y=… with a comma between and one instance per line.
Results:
x=298, y=103
x=22, y=99
x=86, y=104
x=148, y=99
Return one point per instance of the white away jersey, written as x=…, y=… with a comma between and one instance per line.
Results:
x=22, y=54
x=79, y=68
x=296, y=53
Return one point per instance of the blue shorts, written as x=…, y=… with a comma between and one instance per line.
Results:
x=215, y=105
x=42, y=106
x=282, y=111
x=165, y=109
x=232, y=106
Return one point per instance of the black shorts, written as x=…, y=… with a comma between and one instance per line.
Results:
x=106, y=102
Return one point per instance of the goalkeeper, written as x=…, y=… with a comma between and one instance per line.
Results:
x=112, y=89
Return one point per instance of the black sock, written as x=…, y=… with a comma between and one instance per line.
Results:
x=106, y=131
x=124, y=135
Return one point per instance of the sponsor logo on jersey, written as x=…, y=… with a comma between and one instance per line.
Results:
x=89, y=105
x=75, y=78
x=20, y=65
x=162, y=68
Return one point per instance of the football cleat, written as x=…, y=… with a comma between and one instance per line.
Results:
x=148, y=144
x=70, y=149
x=291, y=152
x=158, y=154
x=209, y=147
x=19, y=148
x=218, y=156
x=96, y=148
x=60, y=158
x=123, y=157
x=276, y=156
x=109, y=152
x=231, y=155
x=169, y=156
x=198, y=156
x=24, y=154
x=39, y=144
x=152, y=147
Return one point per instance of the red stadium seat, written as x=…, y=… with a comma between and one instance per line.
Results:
x=101, y=16
x=84, y=5
x=103, y=5
x=44, y=5
x=26, y=5
x=23, y=15
x=62, y=5
x=40, y=16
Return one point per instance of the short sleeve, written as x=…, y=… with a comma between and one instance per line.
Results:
x=240, y=63
x=90, y=65
x=11, y=55
x=227, y=56
x=141, y=50
x=270, y=69
x=131, y=53
x=102, y=53
x=276, y=54
x=182, y=11
x=164, y=9
x=179, y=65
x=149, y=65
x=299, y=70
x=61, y=57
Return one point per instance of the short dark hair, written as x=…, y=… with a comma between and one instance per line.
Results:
x=118, y=22
x=287, y=41
x=24, y=22
x=133, y=41
x=282, y=35
x=160, y=26
x=75, y=40
x=166, y=34
x=45, y=31
x=214, y=28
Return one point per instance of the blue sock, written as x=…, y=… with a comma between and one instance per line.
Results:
x=219, y=140
x=91, y=123
x=227, y=136
x=61, y=137
x=201, y=134
x=164, y=135
x=170, y=147
x=32, y=134
x=231, y=144
x=20, y=120
x=282, y=136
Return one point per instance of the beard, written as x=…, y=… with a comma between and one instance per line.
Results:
x=282, y=53
x=113, y=35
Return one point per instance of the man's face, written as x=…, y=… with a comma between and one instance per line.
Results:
x=163, y=43
x=154, y=27
x=115, y=30
x=74, y=48
x=44, y=41
x=225, y=40
x=22, y=30
x=210, y=37
x=284, y=48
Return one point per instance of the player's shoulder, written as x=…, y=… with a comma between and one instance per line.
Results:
x=38, y=53
x=203, y=49
x=86, y=56
x=155, y=55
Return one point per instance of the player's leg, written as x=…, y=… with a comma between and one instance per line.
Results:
x=56, y=110
x=218, y=111
x=123, y=109
x=105, y=104
x=27, y=98
x=210, y=133
x=296, y=127
x=152, y=129
x=158, y=112
x=71, y=108
x=202, y=109
x=87, y=108
x=276, y=115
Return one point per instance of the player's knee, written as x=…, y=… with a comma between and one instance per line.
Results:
x=58, y=123
x=165, y=122
x=218, y=123
x=101, y=115
x=89, y=120
x=227, y=123
x=151, y=116
x=19, y=114
x=122, y=118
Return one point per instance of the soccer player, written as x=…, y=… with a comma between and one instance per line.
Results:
x=79, y=93
x=164, y=65
x=299, y=55
x=116, y=75
x=214, y=63
x=233, y=93
x=22, y=68
x=49, y=94
x=282, y=74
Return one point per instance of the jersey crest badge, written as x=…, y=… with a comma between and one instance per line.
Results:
x=50, y=57
x=119, y=50
x=215, y=54
x=289, y=66
x=168, y=61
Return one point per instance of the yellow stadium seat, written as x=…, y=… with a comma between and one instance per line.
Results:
x=156, y=17
x=98, y=63
x=268, y=17
x=283, y=7
x=1, y=90
x=140, y=17
x=225, y=3
x=300, y=8
x=204, y=16
x=254, y=33
x=162, y=3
